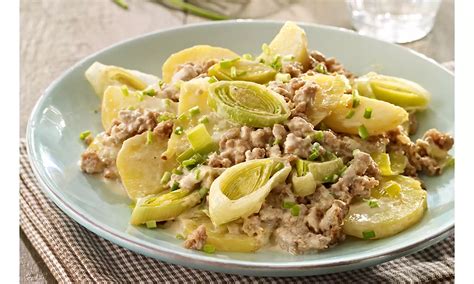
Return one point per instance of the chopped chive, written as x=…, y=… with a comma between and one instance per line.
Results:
x=318, y=136
x=177, y=171
x=167, y=102
x=355, y=101
x=194, y=111
x=180, y=237
x=165, y=178
x=165, y=117
x=450, y=162
x=368, y=112
x=121, y=3
x=149, y=92
x=190, y=163
x=212, y=79
x=266, y=49
x=368, y=235
x=139, y=96
x=183, y=117
x=175, y=186
x=179, y=130
x=321, y=68
x=295, y=210
x=151, y=224
x=124, y=90
x=276, y=63
x=132, y=108
x=84, y=134
x=314, y=155
x=282, y=77
x=160, y=84
x=149, y=137
x=197, y=174
x=247, y=56
x=276, y=142
x=228, y=63
x=350, y=114
x=233, y=72
x=373, y=203
x=203, y=191
x=204, y=119
x=207, y=248
x=287, y=204
x=363, y=132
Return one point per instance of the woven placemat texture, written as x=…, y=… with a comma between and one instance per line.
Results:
x=74, y=254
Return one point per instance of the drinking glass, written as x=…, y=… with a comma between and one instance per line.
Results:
x=397, y=21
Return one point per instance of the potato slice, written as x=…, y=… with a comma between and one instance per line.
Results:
x=101, y=76
x=114, y=101
x=388, y=214
x=385, y=116
x=291, y=40
x=140, y=165
x=196, y=54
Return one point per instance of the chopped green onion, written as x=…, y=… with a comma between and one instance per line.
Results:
x=165, y=178
x=204, y=119
x=160, y=84
x=212, y=79
x=228, y=63
x=121, y=3
x=175, y=186
x=180, y=237
x=318, y=136
x=132, y=108
x=282, y=77
x=363, y=132
x=368, y=112
x=194, y=111
x=314, y=155
x=288, y=204
x=187, y=154
x=368, y=234
x=276, y=142
x=373, y=203
x=266, y=49
x=247, y=56
x=295, y=210
x=350, y=114
x=165, y=117
x=233, y=72
x=190, y=163
x=207, y=248
x=84, y=134
x=177, y=171
x=151, y=224
x=197, y=174
x=139, y=96
x=355, y=101
x=276, y=63
x=203, y=191
x=149, y=137
x=321, y=68
x=149, y=92
x=124, y=90
x=183, y=117
x=179, y=130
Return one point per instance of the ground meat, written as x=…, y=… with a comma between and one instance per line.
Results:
x=412, y=123
x=295, y=69
x=197, y=239
x=287, y=90
x=91, y=163
x=428, y=155
x=168, y=91
x=130, y=123
x=303, y=98
x=255, y=153
x=190, y=70
x=358, y=179
x=297, y=145
x=331, y=64
x=164, y=129
x=279, y=132
x=300, y=127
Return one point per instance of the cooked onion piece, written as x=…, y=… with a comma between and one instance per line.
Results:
x=248, y=103
x=240, y=190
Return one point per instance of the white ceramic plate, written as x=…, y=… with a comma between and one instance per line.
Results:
x=67, y=108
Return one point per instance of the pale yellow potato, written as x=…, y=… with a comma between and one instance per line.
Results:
x=196, y=54
x=385, y=116
x=140, y=165
x=393, y=213
x=114, y=101
x=101, y=76
x=291, y=40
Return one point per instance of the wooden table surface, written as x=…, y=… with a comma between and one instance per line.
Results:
x=55, y=34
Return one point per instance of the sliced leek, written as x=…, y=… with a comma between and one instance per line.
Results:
x=390, y=164
x=245, y=70
x=240, y=190
x=398, y=91
x=309, y=174
x=164, y=207
x=248, y=103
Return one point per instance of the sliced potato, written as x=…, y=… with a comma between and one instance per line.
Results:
x=387, y=214
x=140, y=165
x=196, y=54
x=114, y=101
x=101, y=76
x=290, y=41
x=385, y=116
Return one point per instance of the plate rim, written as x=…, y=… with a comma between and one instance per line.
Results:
x=203, y=261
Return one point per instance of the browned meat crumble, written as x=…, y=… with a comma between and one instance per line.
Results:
x=197, y=239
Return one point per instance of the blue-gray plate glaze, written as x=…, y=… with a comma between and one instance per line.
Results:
x=67, y=108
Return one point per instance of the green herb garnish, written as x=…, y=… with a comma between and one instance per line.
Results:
x=151, y=224
x=207, y=248
x=363, y=132
x=295, y=210
x=368, y=112
x=149, y=137
x=368, y=235
x=165, y=178
x=84, y=134
x=350, y=114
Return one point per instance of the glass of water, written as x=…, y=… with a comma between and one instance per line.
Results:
x=397, y=21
